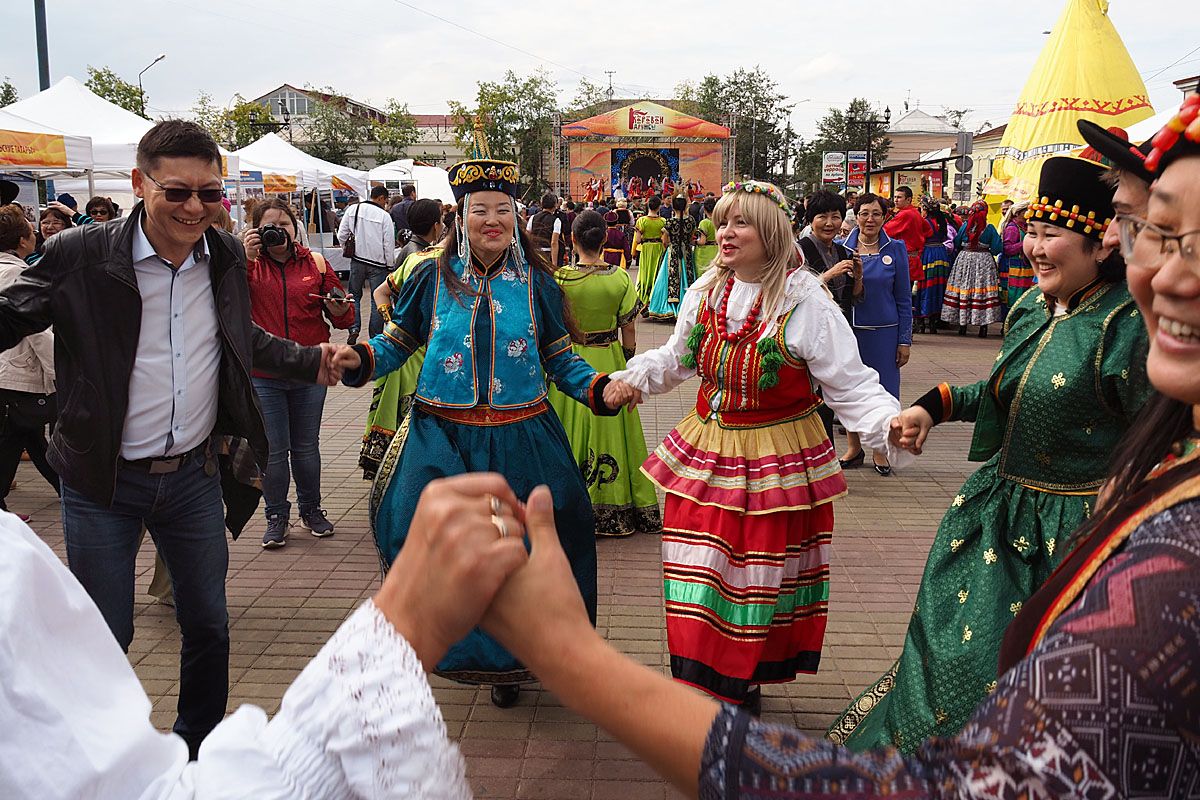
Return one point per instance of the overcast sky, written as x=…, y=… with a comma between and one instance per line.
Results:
x=966, y=54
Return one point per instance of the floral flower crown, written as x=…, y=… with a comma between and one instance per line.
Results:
x=1186, y=123
x=759, y=187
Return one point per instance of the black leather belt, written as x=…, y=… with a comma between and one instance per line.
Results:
x=599, y=338
x=166, y=464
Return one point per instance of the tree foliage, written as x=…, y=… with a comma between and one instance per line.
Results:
x=955, y=116
x=516, y=114
x=107, y=84
x=8, y=93
x=588, y=98
x=331, y=132
x=397, y=134
x=233, y=126
x=836, y=132
x=759, y=112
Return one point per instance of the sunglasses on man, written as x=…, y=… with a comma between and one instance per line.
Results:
x=176, y=194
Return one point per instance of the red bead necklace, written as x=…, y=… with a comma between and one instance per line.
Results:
x=747, y=326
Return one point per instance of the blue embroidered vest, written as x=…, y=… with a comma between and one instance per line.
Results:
x=509, y=364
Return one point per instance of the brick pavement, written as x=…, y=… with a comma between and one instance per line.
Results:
x=285, y=603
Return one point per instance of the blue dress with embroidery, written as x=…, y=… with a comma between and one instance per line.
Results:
x=480, y=405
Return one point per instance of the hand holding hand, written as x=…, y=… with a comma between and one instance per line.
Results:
x=453, y=561
x=910, y=428
x=545, y=581
x=620, y=393
x=346, y=358
x=330, y=372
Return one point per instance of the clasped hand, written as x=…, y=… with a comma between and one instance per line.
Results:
x=620, y=393
x=909, y=429
x=456, y=570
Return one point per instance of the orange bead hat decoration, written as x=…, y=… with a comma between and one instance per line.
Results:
x=1180, y=136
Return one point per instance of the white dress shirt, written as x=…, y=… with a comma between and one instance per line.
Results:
x=817, y=334
x=359, y=721
x=374, y=233
x=173, y=389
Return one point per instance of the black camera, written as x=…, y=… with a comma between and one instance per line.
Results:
x=273, y=236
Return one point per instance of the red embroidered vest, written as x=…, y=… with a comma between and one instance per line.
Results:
x=729, y=379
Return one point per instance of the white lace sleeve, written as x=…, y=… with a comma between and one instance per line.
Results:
x=359, y=721
x=820, y=335
x=661, y=370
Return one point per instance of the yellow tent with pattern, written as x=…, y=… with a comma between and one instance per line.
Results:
x=1084, y=72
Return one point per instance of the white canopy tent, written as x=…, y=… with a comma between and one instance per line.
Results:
x=30, y=146
x=431, y=182
x=72, y=108
x=272, y=156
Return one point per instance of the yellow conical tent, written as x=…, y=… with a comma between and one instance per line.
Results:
x=1084, y=72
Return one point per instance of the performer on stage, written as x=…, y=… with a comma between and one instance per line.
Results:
x=1067, y=383
x=653, y=187
x=592, y=194
x=647, y=244
x=749, y=475
x=668, y=188
x=635, y=188
x=610, y=450
x=677, y=270
x=617, y=190
x=493, y=321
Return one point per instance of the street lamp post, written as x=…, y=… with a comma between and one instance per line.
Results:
x=870, y=125
x=142, y=94
x=273, y=125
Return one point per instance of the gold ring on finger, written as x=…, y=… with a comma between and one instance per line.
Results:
x=501, y=525
x=494, y=504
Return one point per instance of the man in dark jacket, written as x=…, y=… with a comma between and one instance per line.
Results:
x=153, y=349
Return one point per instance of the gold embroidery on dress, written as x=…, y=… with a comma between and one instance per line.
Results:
x=962, y=596
x=1021, y=544
x=991, y=687
x=966, y=633
x=959, y=499
x=1050, y=546
x=989, y=556
x=1015, y=608
x=1058, y=381
x=955, y=544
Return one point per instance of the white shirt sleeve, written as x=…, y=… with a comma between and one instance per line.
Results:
x=661, y=370
x=359, y=721
x=819, y=334
x=557, y=225
x=529, y=224
x=344, y=228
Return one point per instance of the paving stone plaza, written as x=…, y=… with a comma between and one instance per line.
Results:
x=284, y=604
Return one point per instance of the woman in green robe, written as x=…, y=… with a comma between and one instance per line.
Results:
x=706, y=249
x=609, y=450
x=1068, y=381
x=647, y=242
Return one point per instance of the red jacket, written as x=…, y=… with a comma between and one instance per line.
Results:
x=913, y=229
x=280, y=302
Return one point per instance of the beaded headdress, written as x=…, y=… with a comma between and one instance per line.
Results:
x=1180, y=135
x=482, y=173
x=759, y=187
x=1072, y=194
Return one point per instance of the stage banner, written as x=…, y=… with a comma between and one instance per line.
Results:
x=18, y=149
x=856, y=168
x=924, y=183
x=648, y=120
x=833, y=167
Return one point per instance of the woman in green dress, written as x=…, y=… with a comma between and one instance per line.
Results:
x=609, y=450
x=647, y=242
x=706, y=245
x=1067, y=383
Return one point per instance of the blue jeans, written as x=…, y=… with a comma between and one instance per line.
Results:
x=292, y=412
x=363, y=275
x=183, y=512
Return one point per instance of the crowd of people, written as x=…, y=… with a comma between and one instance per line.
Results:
x=1053, y=648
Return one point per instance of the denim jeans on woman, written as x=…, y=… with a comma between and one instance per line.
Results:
x=292, y=412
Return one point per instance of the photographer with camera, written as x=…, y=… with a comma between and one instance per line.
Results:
x=292, y=290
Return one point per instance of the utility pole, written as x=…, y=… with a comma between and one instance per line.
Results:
x=610, y=73
x=43, y=51
x=870, y=124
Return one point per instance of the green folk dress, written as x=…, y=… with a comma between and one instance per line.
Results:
x=1062, y=391
x=705, y=253
x=609, y=450
x=649, y=254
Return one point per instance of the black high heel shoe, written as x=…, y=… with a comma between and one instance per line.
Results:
x=882, y=469
x=505, y=695
x=855, y=461
x=983, y=331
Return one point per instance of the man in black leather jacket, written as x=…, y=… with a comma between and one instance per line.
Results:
x=153, y=350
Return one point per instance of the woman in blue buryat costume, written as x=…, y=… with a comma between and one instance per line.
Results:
x=496, y=327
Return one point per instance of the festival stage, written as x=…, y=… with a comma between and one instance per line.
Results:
x=643, y=140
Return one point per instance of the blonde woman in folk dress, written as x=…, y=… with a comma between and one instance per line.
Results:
x=749, y=475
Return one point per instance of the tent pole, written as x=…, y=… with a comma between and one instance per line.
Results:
x=91, y=184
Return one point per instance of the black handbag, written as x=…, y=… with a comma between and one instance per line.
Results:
x=348, y=242
x=29, y=410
